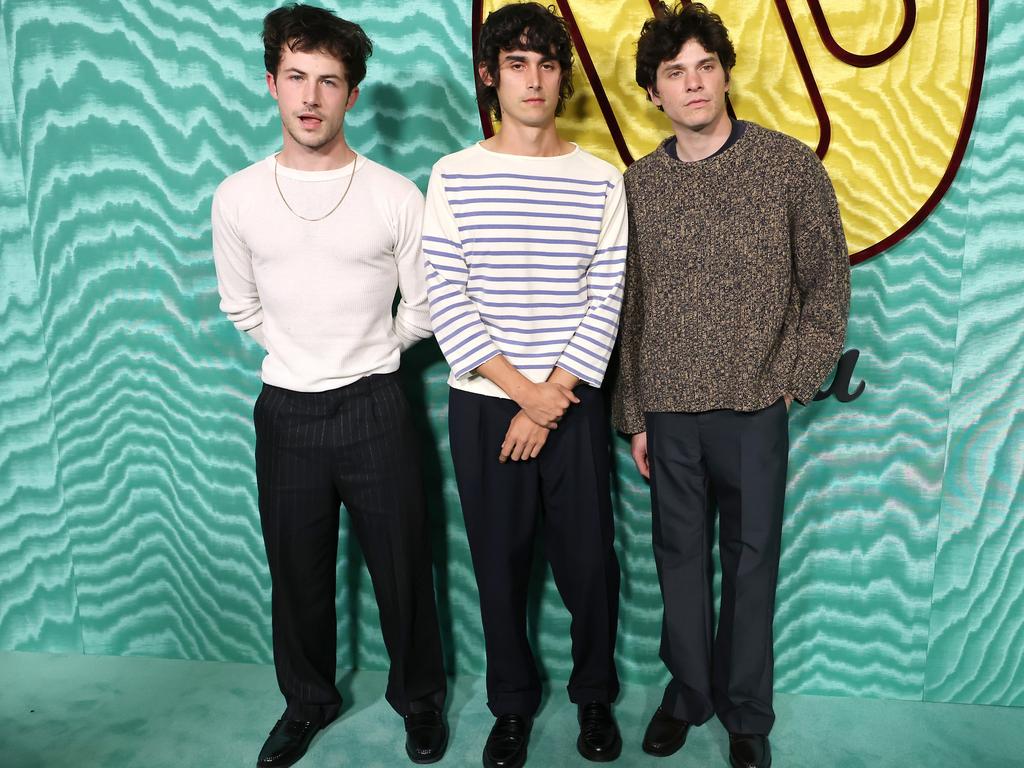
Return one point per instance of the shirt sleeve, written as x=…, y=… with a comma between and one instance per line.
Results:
x=822, y=271
x=457, y=324
x=627, y=408
x=588, y=351
x=412, y=319
x=239, y=298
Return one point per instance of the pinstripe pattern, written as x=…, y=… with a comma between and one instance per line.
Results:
x=315, y=451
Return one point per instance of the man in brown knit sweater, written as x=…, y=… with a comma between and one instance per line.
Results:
x=737, y=293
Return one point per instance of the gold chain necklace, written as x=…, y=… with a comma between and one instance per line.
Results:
x=336, y=205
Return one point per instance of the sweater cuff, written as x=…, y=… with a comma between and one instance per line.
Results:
x=256, y=334
x=628, y=418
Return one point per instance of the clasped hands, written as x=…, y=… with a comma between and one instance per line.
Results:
x=543, y=405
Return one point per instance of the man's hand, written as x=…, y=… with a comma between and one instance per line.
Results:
x=523, y=440
x=545, y=403
x=638, y=447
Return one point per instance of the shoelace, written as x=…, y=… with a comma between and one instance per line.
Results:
x=509, y=727
x=594, y=718
x=292, y=727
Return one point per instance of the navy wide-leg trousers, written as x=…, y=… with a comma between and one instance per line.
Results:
x=564, y=492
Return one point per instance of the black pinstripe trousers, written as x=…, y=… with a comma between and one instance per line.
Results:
x=314, y=451
x=502, y=505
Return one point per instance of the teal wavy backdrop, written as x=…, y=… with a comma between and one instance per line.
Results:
x=127, y=498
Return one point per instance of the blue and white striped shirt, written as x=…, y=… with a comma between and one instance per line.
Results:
x=525, y=257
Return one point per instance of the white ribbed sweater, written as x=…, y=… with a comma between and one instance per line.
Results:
x=318, y=295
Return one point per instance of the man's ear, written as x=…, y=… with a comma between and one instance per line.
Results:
x=485, y=75
x=272, y=85
x=352, y=96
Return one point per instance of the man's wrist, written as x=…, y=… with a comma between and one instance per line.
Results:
x=522, y=391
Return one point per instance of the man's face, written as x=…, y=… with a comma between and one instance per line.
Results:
x=691, y=87
x=528, y=87
x=313, y=96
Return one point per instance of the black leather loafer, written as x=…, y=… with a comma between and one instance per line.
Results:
x=506, y=743
x=599, y=739
x=749, y=750
x=426, y=736
x=287, y=743
x=665, y=734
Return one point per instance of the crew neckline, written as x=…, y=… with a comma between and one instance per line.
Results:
x=740, y=131
x=485, y=150
x=331, y=175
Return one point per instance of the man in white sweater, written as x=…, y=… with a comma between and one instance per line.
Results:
x=310, y=245
x=525, y=240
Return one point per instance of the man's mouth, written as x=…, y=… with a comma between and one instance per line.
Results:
x=310, y=121
x=697, y=103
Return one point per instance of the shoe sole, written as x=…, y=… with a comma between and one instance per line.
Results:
x=606, y=757
x=734, y=764
x=435, y=758
x=517, y=764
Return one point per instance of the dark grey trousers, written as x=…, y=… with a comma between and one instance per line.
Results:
x=740, y=460
x=314, y=451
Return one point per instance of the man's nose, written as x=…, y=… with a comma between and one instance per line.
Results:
x=310, y=94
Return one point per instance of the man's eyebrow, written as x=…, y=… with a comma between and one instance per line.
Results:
x=515, y=57
x=327, y=76
x=679, y=65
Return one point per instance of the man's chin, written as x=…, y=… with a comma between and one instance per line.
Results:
x=312, y=141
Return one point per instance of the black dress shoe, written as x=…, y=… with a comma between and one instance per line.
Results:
x=749, y=750
x=665, y=734
x=506, y=743
x=599, y=735
x=287, y=743
x=426, y=736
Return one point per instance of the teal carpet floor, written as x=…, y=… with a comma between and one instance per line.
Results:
x=101, y=712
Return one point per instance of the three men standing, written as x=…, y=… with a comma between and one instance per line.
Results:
x=310, y=246
x=736, y=301
x=735, y=304
x=525, y=238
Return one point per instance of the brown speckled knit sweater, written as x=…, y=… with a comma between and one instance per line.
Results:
x=737, y=280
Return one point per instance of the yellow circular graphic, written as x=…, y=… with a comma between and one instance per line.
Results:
x=884, y=90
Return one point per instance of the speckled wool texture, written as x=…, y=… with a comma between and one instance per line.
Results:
x=737, y=280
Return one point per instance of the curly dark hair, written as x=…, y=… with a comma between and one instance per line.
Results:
x=305, y=28
x=521, y=27
x=663, y=36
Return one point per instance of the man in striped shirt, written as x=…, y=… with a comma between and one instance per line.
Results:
x=524, y=240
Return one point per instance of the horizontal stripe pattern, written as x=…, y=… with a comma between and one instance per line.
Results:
x=526, y=265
